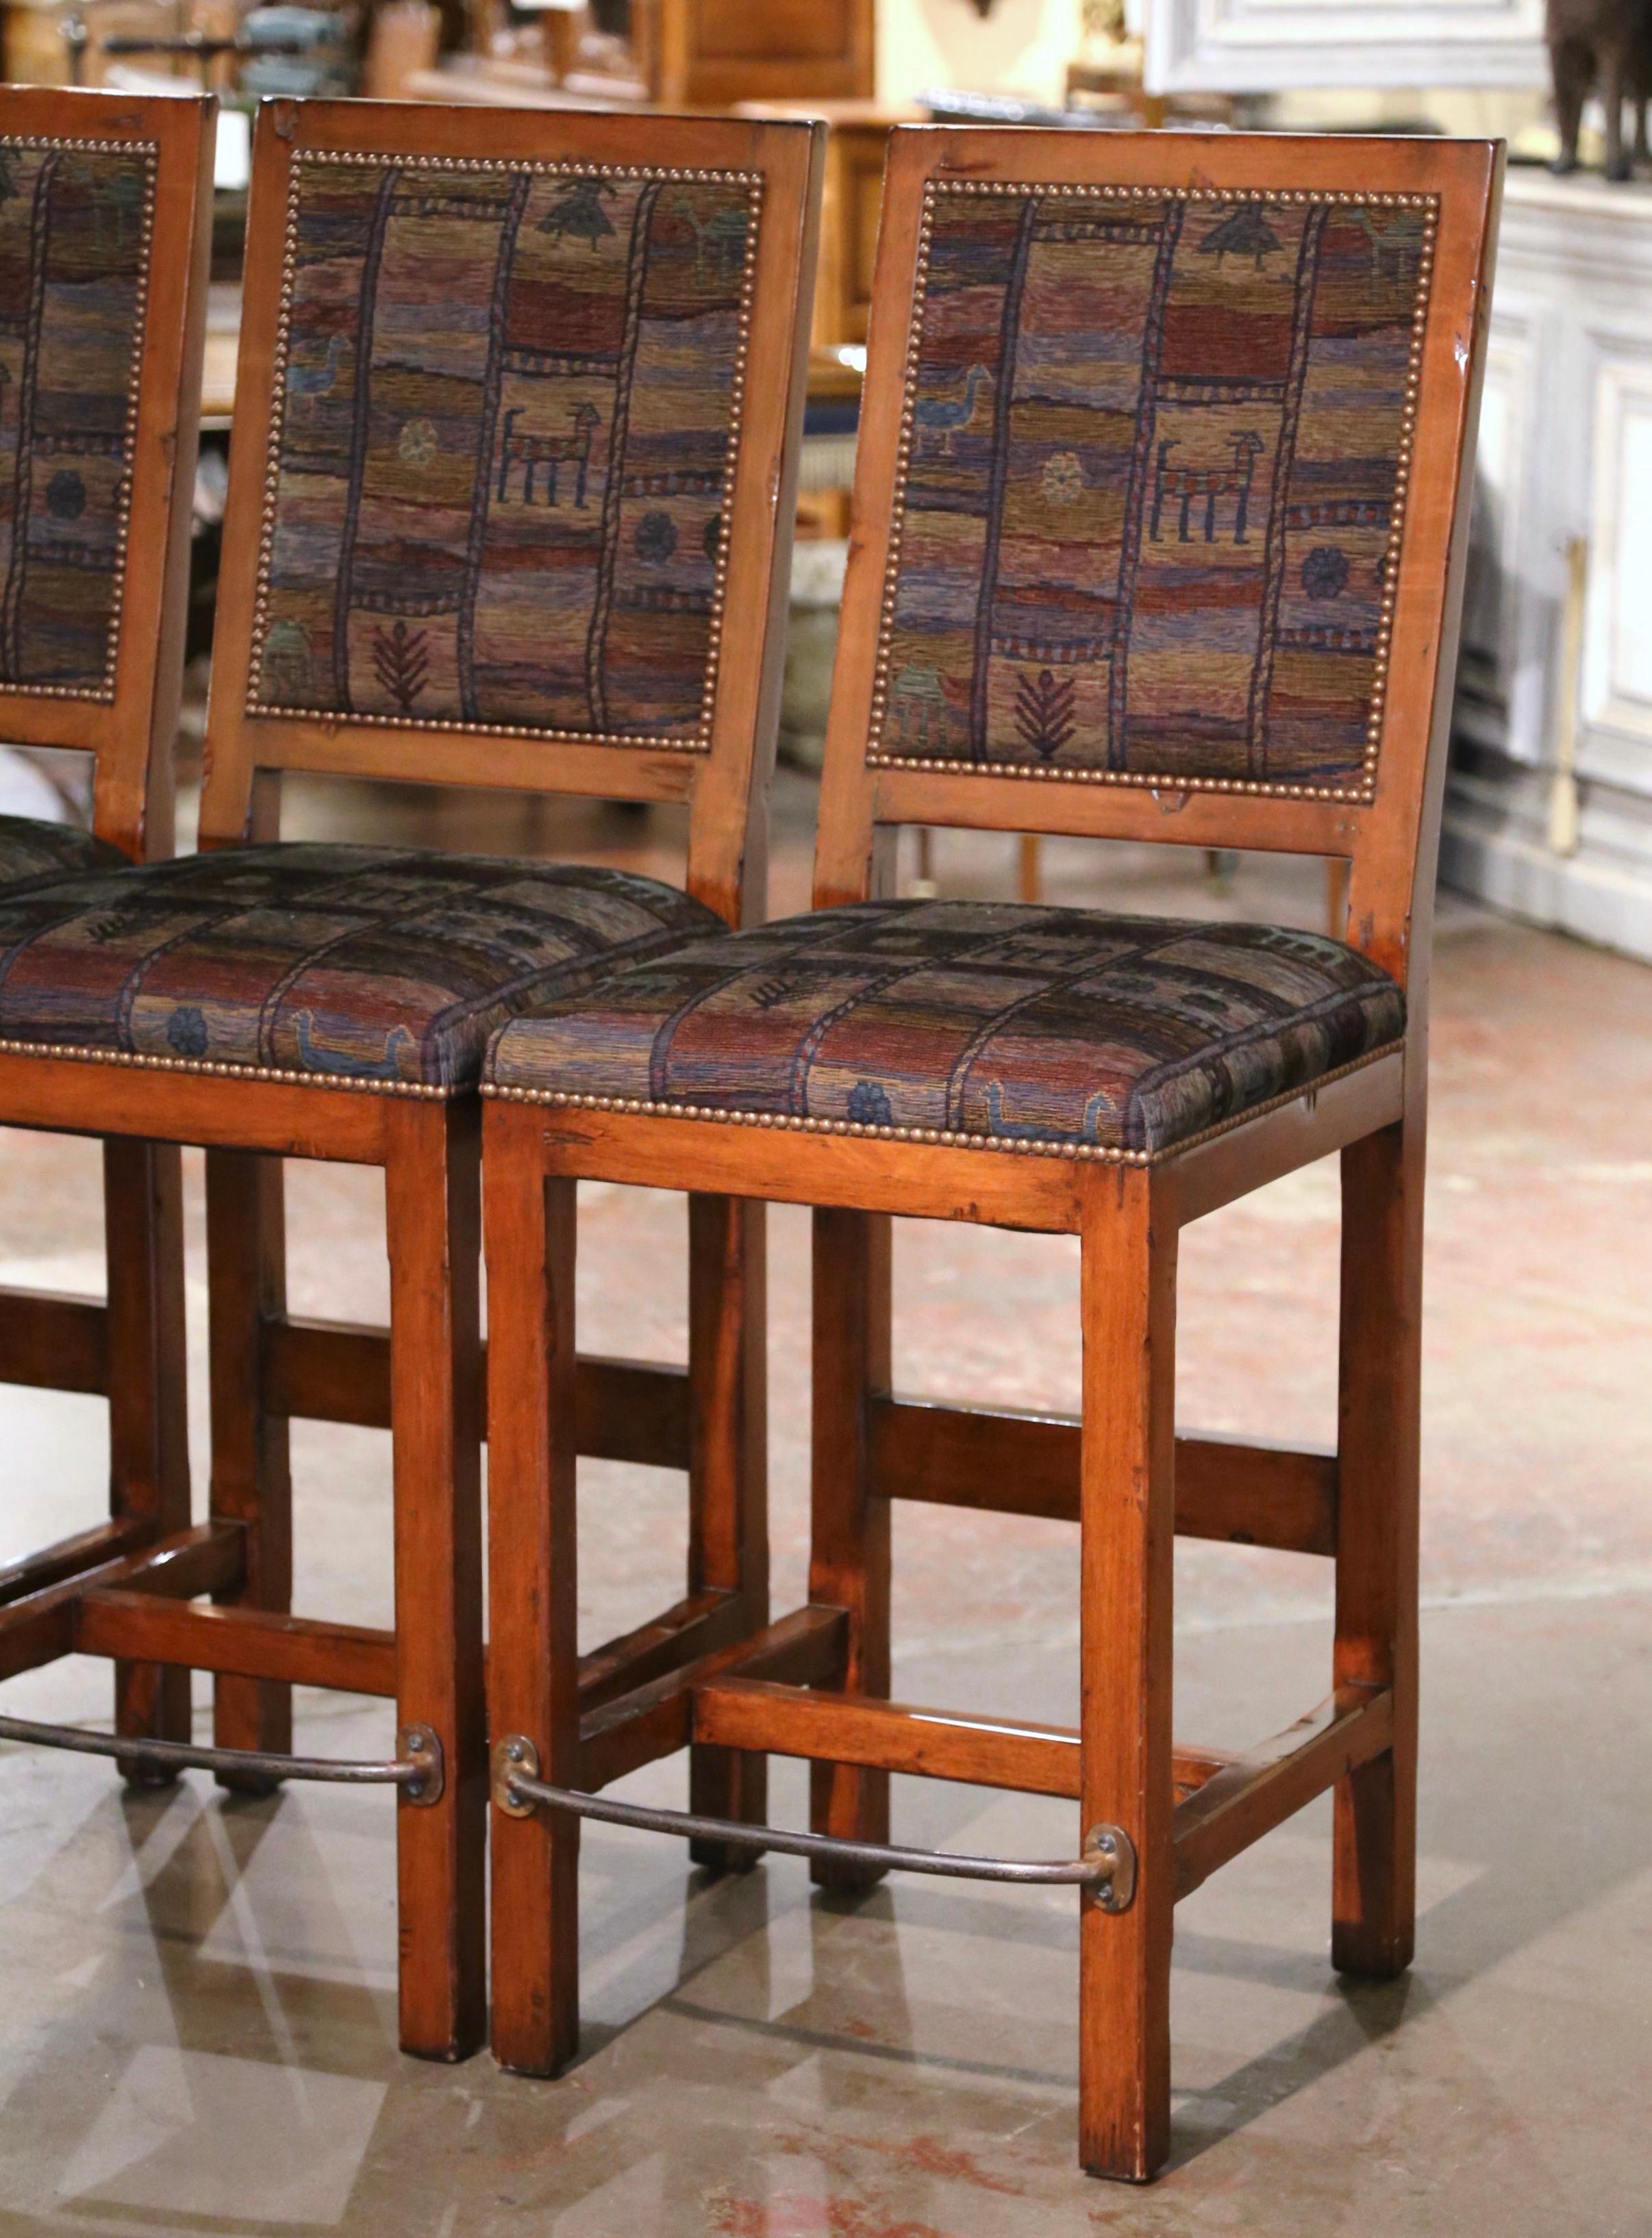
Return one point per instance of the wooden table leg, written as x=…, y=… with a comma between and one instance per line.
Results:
x=728, y=1474
x=252, y=1481
x=1374, y=1901
x=1127, y=1522
x=432, y=1190
x=533, y=1672
x=148, y=1400
x=849, y=1556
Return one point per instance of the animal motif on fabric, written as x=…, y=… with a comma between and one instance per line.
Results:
x=507, y=419
x=73, y=253
x=1153, y=486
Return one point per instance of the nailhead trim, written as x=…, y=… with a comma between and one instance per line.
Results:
x=1361, y=795
x=103, y=696
x=1081, y=1153
x=199, y=1066
x=701, y=742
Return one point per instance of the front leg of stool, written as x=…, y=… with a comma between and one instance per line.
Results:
x=849, y=1560
x=1128, y=1524
x=533, y=1666
x=433, y=1200
x=728, y=1476
x=252, y=1481
x=1374, y=1901
x=148, y=1423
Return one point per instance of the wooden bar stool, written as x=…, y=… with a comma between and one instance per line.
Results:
x=105, y=230
x=1160, y=524
x=517, y=419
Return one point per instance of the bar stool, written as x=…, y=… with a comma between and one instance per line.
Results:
x=518, y=409
x=1160, y=532
x=104, y=235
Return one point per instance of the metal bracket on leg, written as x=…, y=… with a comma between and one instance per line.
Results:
x=1107, y=1868
x=419, y=1771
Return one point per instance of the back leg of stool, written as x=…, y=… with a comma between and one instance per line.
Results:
x=149, y=1419
x=1127, y=1524
x=252, y=1482
x=1374, y=1898
x=532, y=1669
x=728, y=1474
x=849, y=1559
x=433, y=1205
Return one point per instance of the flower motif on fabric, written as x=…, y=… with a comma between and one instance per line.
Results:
x=656, y=538
x=1324, y=572
x=1064, y=478
x=65, y=496
x=416, y=446
x=186, y=1032
x=869, y=1106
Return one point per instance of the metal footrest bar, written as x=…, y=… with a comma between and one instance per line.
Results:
x=1107, y=1867
x=419, y=1772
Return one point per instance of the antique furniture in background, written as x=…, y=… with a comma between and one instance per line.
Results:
x=506, y=510
x=1549, y=810
x=1602, y=47
x=105, y=224
x=673, y=54
x=1258, y=359
x=1275, y=46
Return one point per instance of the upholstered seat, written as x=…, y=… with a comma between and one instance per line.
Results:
x=369, y=964
x=31, y=851
x=1001, y=1022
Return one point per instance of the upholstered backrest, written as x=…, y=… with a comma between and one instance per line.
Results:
x=105, y=225
x=1153, y=486
x=520, y=388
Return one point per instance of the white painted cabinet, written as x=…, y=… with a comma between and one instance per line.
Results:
x=1565, y=453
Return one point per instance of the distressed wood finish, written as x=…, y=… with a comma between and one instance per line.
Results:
x=1119, y=1471
x=423, y=1377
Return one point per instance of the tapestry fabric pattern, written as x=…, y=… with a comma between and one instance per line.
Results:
x=376, y=966
x=1152, y=484
x=506, y=420
x=999, y=1021
x=75, y=230
x=32, y=851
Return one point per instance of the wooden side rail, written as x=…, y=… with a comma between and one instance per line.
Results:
x=1233, y=1488
x=54, y=1342
x=1264, y=1785
x=255, y=1643
x=805, y=1648
x=69, y=1558
x=778, y=1720
x=209, y=1557
x=684, y=1634
x=334, y=1372
x=741, y=1712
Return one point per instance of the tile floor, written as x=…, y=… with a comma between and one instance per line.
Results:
x=197, y=2037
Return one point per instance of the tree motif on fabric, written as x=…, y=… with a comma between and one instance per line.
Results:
x=1243, y=232
x=402, y=664
x=1045, y=718
x=578, y=211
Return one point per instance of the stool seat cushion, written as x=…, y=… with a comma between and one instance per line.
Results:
x=31, y=850
x=374, y=965
x=1000, y=1021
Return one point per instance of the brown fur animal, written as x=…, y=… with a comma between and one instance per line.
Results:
x=1604, y=44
